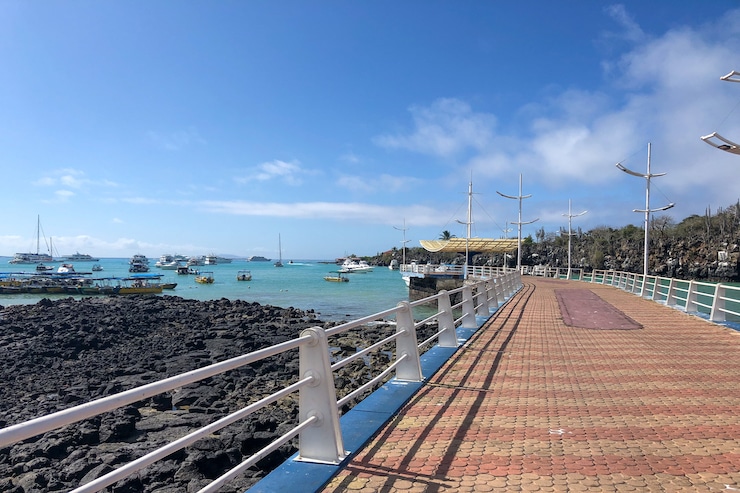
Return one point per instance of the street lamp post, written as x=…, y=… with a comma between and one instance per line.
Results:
x=716, y=140
x=647, y=209
x=519, y=222
x=468, y=223
x=570, y=234
x=403, y=255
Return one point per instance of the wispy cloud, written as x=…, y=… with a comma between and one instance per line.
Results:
x=575, y=137
x=290, y=173
x=366, y=212
x=377, y=184
x=71, y=178
x=176, y=140
x=447, y=127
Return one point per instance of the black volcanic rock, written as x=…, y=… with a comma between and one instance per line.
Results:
x=58, y=354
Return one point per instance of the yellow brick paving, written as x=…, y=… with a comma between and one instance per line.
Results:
x=531, y=404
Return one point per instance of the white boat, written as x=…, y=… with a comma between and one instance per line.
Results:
x=40, y=267
x=393, y=265
x=214, y=259
x=258, y=258
x=138, y=263
x=79, y=257
x=244, y=275
x=33, y=258
x=168, y=262
x=66, y=269
x=97, y=268
x=195, y=261
x=354, y=266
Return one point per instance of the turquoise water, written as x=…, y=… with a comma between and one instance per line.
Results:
x=300, y=285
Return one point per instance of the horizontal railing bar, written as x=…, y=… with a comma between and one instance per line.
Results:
x=162, y=452
x=235, y=471
x=341, y=402
x=360, y=321
x=369, y=349
x=430, y=339
x=37, y=426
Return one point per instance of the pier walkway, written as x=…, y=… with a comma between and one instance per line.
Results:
x=645, y=399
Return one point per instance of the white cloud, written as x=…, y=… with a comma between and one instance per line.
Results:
x=446, y=128
x=418, y=215
x=289, y=173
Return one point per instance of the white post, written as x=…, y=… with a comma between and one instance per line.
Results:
x=468, y=307
x=323, y=442
x=718, y=305
x=446, y=321
x=406, y=345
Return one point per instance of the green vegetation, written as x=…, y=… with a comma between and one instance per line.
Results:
x=698, y=247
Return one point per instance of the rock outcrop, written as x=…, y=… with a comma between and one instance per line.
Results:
x=57, y=354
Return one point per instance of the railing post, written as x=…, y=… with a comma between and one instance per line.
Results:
x=482, y=302
x=322, y=442
x=495, y=284
x=718, y=305
x=691, y=296
x=468, y=307
x=670, y=296
x=446, y=321
x=410, y=368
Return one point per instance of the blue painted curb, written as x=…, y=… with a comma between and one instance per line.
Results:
x=361, y=423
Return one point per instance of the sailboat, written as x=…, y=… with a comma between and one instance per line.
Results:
x=33, y=258
x=279, y=263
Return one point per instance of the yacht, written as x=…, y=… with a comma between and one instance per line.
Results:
x=355, y=266
x=80, y=257
x=138, y=263
x=214, y=259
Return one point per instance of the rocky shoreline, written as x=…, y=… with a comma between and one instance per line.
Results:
x=58, y=354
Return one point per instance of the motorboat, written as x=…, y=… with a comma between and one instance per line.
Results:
x=258, y=258
x=354, y=266
x=66, y=269
x=40, y=267
x=336, y=276
x=244, y=275
x=170, y=262
x=204, y=278
x=97, y=268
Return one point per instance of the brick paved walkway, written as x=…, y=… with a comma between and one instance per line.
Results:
x=532, y=404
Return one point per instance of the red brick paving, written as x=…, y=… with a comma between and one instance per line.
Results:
x=532, y=404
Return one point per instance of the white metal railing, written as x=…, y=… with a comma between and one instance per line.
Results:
x=720, y=302
x=320, y=437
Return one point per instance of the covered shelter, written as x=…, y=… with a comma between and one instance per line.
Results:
x=471, y=245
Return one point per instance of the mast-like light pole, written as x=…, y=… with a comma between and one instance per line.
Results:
x=647, y=209
x=468, y=223
x=716, y=140
x=404, y=229
x=570, y=234
x=519, y=222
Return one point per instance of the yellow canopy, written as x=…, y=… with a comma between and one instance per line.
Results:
x=457, y=245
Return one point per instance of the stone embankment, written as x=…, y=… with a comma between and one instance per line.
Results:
x=58, y=354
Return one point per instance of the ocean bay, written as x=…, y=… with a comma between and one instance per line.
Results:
x=300, y=284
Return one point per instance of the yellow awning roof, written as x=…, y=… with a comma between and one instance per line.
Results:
x=457, y=245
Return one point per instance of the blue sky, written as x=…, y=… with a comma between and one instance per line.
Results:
x=195, y=127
